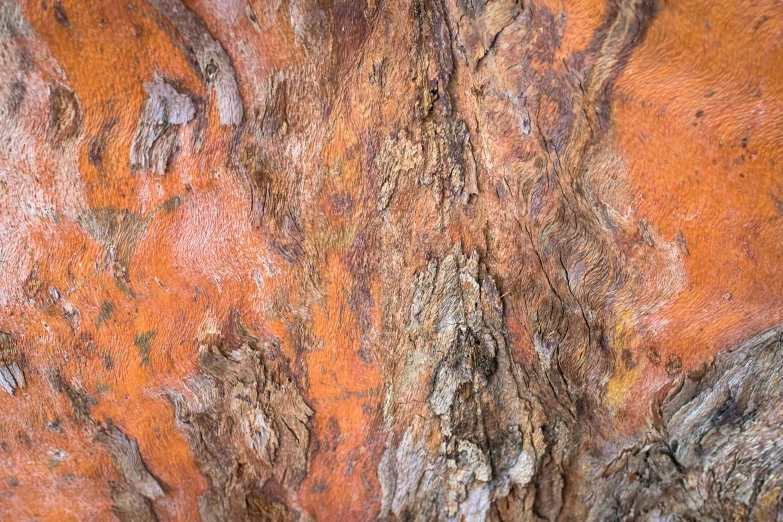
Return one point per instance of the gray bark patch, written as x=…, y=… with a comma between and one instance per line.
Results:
x=460, y=433
x=213, y=63
x=129, y=506
x=717, y=452
x=156, y=132
x=125, y=454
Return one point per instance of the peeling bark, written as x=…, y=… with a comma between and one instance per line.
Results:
x=208, y=56
x=467, y=436
x=410, y=260
x=125, y=454
x=247, y=427
x=714, y=453
x=156, y=135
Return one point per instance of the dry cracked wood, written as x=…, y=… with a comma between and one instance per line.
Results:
x=397, y=260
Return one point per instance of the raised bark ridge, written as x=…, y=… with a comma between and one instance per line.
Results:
x=466, y=436
x=714, y=452
x=156, y=135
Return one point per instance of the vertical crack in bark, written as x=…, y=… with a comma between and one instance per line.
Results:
x=584, y=271
x=580, y=257
x=449, y=165
x=581, y=268
x=433, y=40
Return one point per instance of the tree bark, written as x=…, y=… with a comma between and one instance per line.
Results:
x=396, y=260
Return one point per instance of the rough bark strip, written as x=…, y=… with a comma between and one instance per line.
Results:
x=715, y=452
x=247, y=427
x=132, y=498
x=461, y=433
x=125, y=454
x=130, y=507
x=377, y=139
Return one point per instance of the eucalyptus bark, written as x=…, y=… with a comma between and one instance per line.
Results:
x=402, y=260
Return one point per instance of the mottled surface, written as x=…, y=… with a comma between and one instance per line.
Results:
x=396, y=260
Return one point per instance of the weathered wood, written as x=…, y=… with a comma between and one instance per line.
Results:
x=410, y=260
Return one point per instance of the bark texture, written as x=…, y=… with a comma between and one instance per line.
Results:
x=395, y=260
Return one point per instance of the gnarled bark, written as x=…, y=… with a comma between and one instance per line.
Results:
x=400, y=260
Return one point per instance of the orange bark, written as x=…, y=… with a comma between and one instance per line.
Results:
x=278, y=220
